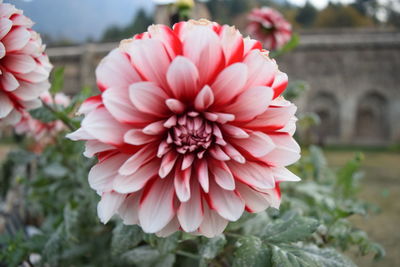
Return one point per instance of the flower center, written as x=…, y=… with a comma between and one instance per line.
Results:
x=191, y=134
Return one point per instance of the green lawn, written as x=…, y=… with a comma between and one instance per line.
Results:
x=380, y=186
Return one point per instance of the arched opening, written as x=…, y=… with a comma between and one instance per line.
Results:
x=372, y=118
x=326, y=106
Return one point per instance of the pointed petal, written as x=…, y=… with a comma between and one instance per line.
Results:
x=156, y=208
x=136, y=181
x=115, y=70
x=250, y=103
x=182, y=184
x=137, y=137
x=222, y=174
x=129, y=209
x=101, y=125
x=229, y=83
x=204, y=99
x=253, y=174
x=109, y=205
x=183, y=78
x=190, y=213
x=102, y=175
x=144, y=155
x=228, y=204
x=121, y=108
x=149, y=98
x=212, y=224
x=258, y=144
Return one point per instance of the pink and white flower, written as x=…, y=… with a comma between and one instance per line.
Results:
x=24, y=68
x=190, y=129
x=270, y=27
x=42, y=132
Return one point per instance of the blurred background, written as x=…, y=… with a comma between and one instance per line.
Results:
x=348, y=58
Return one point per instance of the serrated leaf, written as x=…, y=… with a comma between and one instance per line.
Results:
x=292, y=229
x=210, y=249
x=43, y=114
x=327, y=257
x=251, y=252
x=146, y=256
x=168, y=244
x=125, y=237
x=310, y=256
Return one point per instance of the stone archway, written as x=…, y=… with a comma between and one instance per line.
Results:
x=326, y=106
x=372, y=123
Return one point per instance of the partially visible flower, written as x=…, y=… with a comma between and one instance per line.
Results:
x=189, y=129
x=270, y=27
x=185, y=3
x=24, y=68
x=43, y=133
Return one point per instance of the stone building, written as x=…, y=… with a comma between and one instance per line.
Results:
x=354, y=79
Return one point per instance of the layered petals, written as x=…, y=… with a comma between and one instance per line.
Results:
x=190, y=129
x=24, y=67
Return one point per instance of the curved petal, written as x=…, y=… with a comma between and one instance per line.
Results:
x=183, y=78
x=136, y=181
x=109, y=205
x=213, y=224
x=232, y=44
x=129, y=209
x=202, y=46
x=228, y=204
x=150, y=59
x=16, y=39
x=6, y=106
x=229, y=83
x=147, y=97
x=258, y=201
x=258, y=144
x=121, y=108
x=100, y=124
x=253, y=174
x=156, y=207
x=102, y=175
x=190, y=214
x=262, y=69
x=250, y=103
x=115, y=70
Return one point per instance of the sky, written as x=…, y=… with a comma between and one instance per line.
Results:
x=319, y=3
x=78, y=20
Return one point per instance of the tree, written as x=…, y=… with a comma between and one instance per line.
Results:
x=139, y=24
x=340, y=16
x=306, y=15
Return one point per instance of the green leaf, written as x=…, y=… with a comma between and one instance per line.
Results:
x=310, y=256
x=57, y=82
x=55, y=170
x=125, y=237
x=210, y=249
x=291, y=229
x=43, y=114
x=168, y=244
x=292, y=44
x=146, y=256
x=251, y=252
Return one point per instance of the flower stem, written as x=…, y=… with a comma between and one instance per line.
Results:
x=60, y=116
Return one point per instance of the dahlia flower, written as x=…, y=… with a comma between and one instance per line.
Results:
x=189, y=129
x=270, y=27
x=24, y=68
x=43, y=132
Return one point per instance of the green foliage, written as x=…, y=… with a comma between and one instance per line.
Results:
x=311, y=228
x=139, y=24
x=58, y=80
x=289, y=46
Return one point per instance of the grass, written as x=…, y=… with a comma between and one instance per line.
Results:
x=380, y=186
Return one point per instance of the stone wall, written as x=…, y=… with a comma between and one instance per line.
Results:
x=354, y=79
